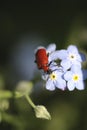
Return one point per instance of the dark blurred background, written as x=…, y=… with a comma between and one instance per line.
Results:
x=23, y=27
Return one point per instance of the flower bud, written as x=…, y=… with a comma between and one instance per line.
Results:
x=41, y=112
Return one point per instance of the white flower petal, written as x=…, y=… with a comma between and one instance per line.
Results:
x=79, y=58
x=65, y=64
x=53, y=56
x=80, y=85
x=61, y=54
x=50, y=85
x=68, y=75
x=76, y=68
x=77, y=63
x=51, y=48
x=61, y=84
x=72, y=49
x=70, y=85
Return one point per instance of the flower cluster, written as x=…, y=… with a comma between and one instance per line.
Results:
x=65, y=68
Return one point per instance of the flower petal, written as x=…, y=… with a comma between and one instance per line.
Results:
x=51, y=48
x=83, y=57
x=84, y=72
x=72, y=49
x=68, y=75
x=65, y=64
x=50, y=85
x=78, y=71
x=80, y=85
x=75, y=68
x=62, y=54
x=70, y=85
x=77, y=63
x=79, y=57
x=61, y=84
x=53, y=56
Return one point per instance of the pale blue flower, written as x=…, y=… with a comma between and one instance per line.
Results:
x=74, y=78
x=70, y=56
x=54, y=80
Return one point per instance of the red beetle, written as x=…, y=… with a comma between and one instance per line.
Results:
x=42, y=59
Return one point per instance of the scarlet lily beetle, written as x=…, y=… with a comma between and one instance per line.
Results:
x=42, y=59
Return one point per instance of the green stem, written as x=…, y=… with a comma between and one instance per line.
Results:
x=30, y=101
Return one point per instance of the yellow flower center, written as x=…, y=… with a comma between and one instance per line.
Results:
x=53, y=76
x=75, y=77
